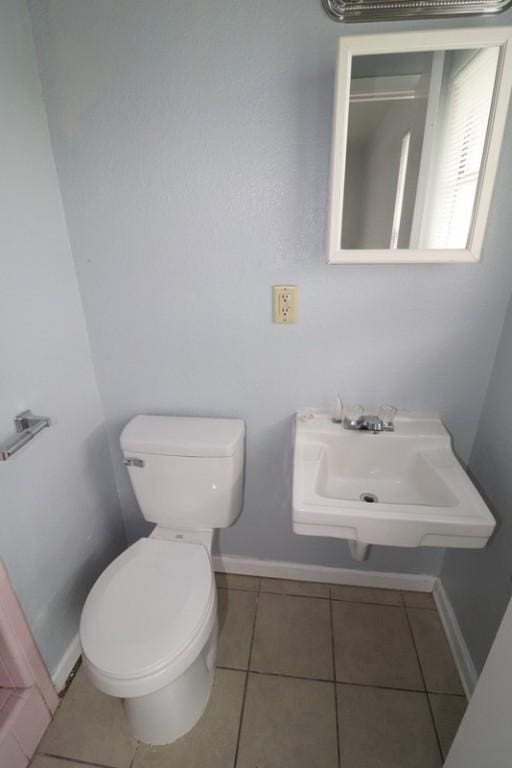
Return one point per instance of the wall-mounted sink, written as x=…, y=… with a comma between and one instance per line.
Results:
x=402, y=488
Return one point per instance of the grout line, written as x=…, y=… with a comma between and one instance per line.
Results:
x=336, y=713
x=327, y=681
x=321, y=597
x=401, y=604
x=416, y=652
x=71, y=760
x=132, y=762
x=438, y=740
x=366, y=602
x=293, y=594
x=235, y=760
x=432, y=607
x=270, y=592
x=399, y=592
x=394, y=688
x=293, y=677
x=453, y=695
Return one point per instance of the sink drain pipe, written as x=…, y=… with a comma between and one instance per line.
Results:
x=359, y=550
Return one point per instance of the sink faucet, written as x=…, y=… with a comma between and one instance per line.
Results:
x=370, y=423
x=353, y=417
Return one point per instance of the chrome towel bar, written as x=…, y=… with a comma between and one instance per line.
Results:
x=27, y=425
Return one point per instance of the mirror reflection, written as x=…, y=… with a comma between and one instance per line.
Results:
x=416, y=141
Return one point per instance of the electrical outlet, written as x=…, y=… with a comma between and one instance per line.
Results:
x=284, y=303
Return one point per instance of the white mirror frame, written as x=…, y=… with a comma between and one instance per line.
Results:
x=403, y=42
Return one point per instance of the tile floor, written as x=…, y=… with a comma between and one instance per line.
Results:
x=309, y=676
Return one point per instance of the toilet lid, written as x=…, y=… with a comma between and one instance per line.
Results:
x=146, y=607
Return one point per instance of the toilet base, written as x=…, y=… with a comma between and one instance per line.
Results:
x=170, y=712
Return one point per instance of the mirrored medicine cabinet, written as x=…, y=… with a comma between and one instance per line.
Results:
x=418, y=124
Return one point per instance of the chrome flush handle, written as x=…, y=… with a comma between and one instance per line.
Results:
x=131, y=462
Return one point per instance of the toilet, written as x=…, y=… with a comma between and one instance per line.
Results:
x=149, y=625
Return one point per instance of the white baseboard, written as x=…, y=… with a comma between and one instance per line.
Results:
x=63, y=669
x=459, y=649
x=298, y=571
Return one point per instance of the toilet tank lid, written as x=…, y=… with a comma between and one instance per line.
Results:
x=183, y=436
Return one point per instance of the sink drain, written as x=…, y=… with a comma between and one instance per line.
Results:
x=370, y=498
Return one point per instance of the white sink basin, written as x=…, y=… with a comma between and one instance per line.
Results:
x=403, y=488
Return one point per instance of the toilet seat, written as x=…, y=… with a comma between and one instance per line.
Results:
x=148, y=615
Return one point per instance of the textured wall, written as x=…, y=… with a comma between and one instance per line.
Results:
x=192, y=145
x=479, y=582
x=60, y=520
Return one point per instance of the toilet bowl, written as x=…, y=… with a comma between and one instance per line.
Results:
x=149, y=625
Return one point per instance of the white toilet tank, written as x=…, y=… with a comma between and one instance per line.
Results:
x=186, y=472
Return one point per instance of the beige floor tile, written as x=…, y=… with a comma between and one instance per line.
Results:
x=366, y=595
x=293, y=637
x=236, y=620
x=90, y=726
x=448, y=711
x=419, y=599
x=288, y=722
x=385, y=729
x=212, y=742
x=237, y=581
x=291, y=587
x=43, y=761
x=373, y=646
x=436, y=660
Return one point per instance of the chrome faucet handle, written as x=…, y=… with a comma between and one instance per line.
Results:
x=338, y=411
x=386, y=414
x=352, y=415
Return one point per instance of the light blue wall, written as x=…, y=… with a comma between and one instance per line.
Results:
x=60, y=521
x=479, y=583
x=192, y=142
